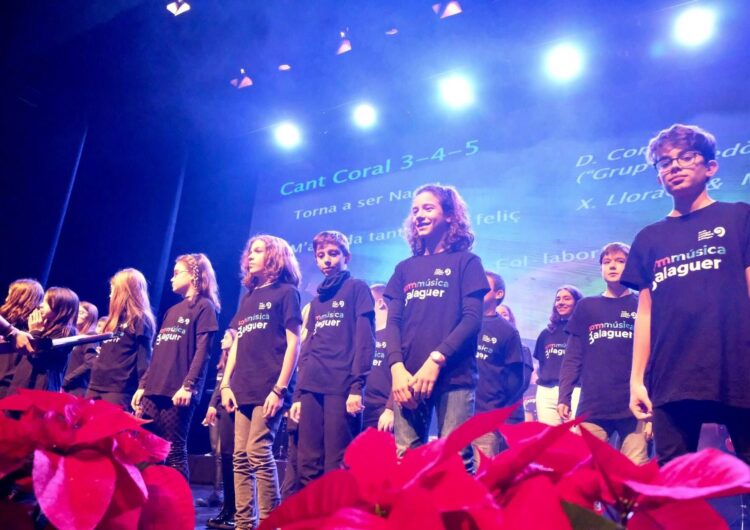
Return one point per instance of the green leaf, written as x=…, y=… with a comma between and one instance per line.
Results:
x=583, y=519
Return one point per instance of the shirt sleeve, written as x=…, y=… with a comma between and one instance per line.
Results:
x=143, y=355
x=638, y=273
x=394, y=295
x=291, y=311
x=570, y=371
x=364, y=337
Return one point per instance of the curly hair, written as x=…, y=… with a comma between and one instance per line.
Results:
x=555, y=319
x=280, y=265
x=685, y=137
x=460, y=236
x=24, y=296
x=203, y=277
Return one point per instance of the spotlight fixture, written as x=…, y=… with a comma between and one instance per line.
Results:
x=456, y=91
x=287, y=135
x=243, y=81
x=695, y=26
x=345, y=45
x=178, y=7
x=285, y=67
x=564, y=62
x=365, y=115
x=447, y=9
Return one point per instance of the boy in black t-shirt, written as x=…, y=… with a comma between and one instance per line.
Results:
x=698, y=354
x=599, y=353
x=378, y=401
x=434, y=316
x=500, y=364
x=334, y=362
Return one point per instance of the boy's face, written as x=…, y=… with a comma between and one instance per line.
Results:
x=330, y=259
x=492, y=296
x=679, y=180
x=428, y=216
x=613, y=263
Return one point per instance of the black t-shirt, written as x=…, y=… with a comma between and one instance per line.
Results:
x=427, y=313
x=78, y=371
x=261, y=322
x=41, y=371
x=122, y=360
x=499, y=346
x=694, y=266
x=378, y=389
x=604, y=329
x=549, y=351
x=180, y=356
x=340, y=341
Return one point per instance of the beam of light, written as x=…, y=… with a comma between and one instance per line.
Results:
x=365, y=115
x=243, y=81
x=694, y=26
x=456, y=91
x=345, y=45
x=287, y=135
x=564, y=62
x=178, y=7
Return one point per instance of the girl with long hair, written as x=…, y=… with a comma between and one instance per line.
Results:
x=549, y=351
x=434, y=316
x=54, y=319
x=78, y=372
x=24, y=296
x=260, y=373
x=167, y=392
x=124, y=358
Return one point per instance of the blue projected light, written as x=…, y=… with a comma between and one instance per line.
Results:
x=564, y=62
x=695, y=26
x=456, y=91
x=365, y=115
x=287, y=135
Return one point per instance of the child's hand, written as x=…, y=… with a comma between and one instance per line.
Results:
x=385, y=421
x=35, y=320
x=228, y=401
x=272, y=405
x=22, y=341
x=182, y=397
x=295, y=411
x=423, y=381
x=210, y=418
x=135, y=402
x=563, y=411
x=354, y=404
x=401, y=391
x=640, y=404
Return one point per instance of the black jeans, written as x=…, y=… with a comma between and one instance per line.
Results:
x=677, y=427
x=226, y=444
x=173, y=424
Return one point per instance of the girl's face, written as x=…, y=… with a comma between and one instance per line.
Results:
x=45, y=309
x=256, y=261
x=226, y=341
x=428, y=216
x=82, y=316
x=181, y=279
x=564, y=303
x=503, y=312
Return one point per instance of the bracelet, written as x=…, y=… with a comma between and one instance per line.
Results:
x=222, y=387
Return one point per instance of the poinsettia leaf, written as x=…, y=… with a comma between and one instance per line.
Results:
x=25, y=399
x=582, y=486
x=130, y=495
x=16, y=445
x=320, y=499
x=414, y=508
x=678, y=516
x=703, y=475
x=372, y=460
x=137, y=446
x=535, y=500
x=452, y=489
x=73, y=490
x=99, y=419
x=170, y=501
x=615, y=469
x=351, y=519
x=580, y=517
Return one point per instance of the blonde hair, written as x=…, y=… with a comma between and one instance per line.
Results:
x=129, y=304
x=280, y=263
x=24, y=296
x=460, y=236
x=203, y=277
x=92, y=315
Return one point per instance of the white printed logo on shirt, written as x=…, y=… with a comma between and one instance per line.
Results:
x=338, y=303
x=719, y=231
x=264, y=305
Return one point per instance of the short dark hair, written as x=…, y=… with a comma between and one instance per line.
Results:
x=499, y=283
x=334, y=237
x=611, y=248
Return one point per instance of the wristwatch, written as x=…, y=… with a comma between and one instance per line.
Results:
x=280, y=391
x=438, y=358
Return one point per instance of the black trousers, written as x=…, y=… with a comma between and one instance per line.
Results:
x=173, y=424
x=121, y=399
x=291, y=484
x=325, y=431
x=677, y=427
x=370, y=417
x=226, y=445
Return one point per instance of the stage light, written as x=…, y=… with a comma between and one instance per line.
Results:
x=564, y=62
x=178, y=7
x=345, y=45
x=447, y=9
x=695, y=26
x=243, y=81
x=285, y=67
x=456, y=91
x=391, y=32
x=287, y=135
x=365, y=115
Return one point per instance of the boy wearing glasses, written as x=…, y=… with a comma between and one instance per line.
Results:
x=698, y=354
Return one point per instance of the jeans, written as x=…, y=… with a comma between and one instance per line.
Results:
x=633, y=440
x=255, y=474
x=546, y=404
x=453, y=407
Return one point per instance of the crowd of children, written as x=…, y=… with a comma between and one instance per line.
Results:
x=435, y=341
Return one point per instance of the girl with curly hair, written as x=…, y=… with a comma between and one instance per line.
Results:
x=434, y=316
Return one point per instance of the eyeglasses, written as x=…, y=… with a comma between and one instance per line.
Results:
x=684, y=159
